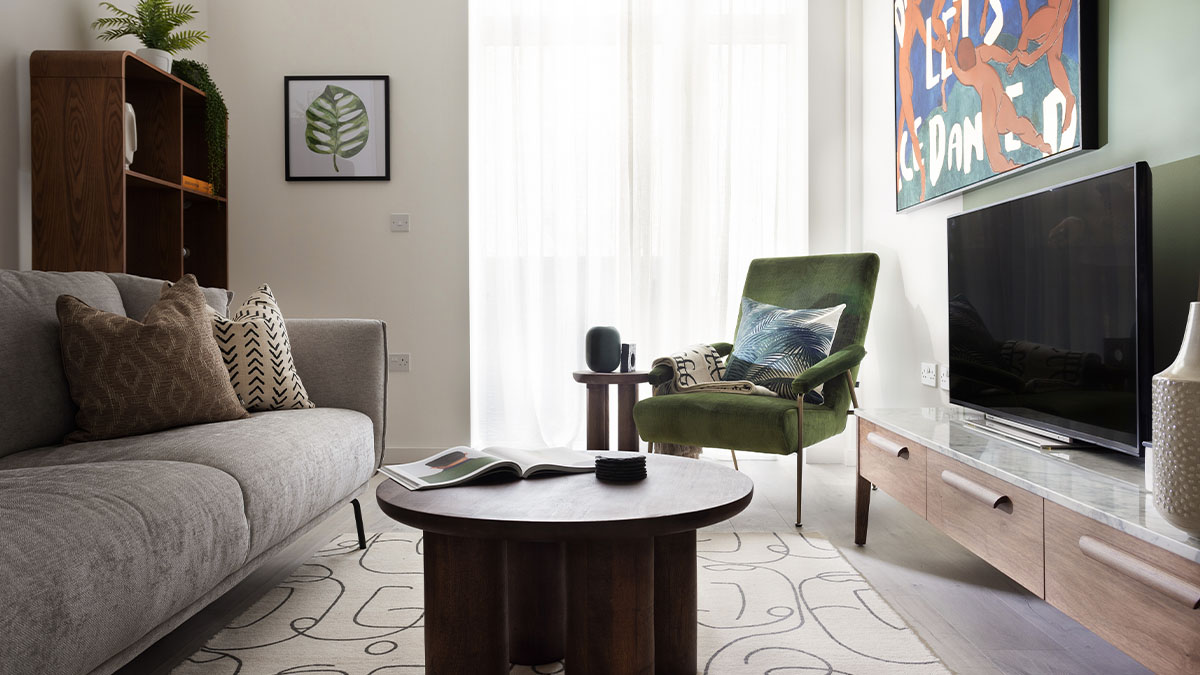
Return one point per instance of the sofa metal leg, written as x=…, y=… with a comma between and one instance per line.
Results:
x=362, y=537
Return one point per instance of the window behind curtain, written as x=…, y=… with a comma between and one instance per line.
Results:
x=627, y=160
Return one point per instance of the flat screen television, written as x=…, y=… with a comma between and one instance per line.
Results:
x=1050, y=309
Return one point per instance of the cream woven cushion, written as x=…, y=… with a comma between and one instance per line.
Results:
x=255, y=347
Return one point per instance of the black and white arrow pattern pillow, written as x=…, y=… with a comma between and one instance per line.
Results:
x=255, y=347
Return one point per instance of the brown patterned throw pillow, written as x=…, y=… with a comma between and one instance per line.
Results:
x=130, y=377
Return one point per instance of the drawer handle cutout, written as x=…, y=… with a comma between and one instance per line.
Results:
x=887, y=445
x=978, y=492
x=1135, y=568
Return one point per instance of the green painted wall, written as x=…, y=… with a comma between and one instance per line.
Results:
x=1149, y=104
x=1176, y=217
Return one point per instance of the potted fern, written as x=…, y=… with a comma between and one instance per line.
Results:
x=154, y=23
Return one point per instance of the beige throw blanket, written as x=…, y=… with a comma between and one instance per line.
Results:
x=699, y=368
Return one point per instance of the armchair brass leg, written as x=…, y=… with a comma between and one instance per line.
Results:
x=799, y=458
x=850, y=384
x=734, y=454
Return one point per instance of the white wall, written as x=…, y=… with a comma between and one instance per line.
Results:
x=908, y=322
x=325, y=248
x=30, y=25
x=827, y=157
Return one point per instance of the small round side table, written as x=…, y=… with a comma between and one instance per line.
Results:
x=597, y=416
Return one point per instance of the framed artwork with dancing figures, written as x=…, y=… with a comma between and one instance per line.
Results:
x=988, y=88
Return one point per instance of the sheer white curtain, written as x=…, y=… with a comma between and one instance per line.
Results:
x=628, y=158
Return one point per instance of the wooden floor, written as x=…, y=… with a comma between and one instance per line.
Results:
x=972, y=616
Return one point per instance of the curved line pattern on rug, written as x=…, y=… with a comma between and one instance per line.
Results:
x=769, y=602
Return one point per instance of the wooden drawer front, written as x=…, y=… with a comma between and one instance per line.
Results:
x=995, y=520
x=1146, y=610
x=894, y=463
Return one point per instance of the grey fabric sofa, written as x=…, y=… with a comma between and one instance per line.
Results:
x=107, y=546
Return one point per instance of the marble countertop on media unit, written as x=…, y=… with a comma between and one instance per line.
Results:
x=1101, y=484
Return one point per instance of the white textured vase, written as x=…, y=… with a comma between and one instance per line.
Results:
x=1176, y=429
x=156, y=57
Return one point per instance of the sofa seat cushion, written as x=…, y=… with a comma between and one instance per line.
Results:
x=290, y=464
x=754, y=423
x=94, y=556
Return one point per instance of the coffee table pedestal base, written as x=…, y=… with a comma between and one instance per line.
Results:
x=610, y=606
x=466, y=625
x=675, y=604
x=537, y=602
x=606, y=605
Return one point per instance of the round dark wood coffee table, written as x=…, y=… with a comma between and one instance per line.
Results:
x=531, y=571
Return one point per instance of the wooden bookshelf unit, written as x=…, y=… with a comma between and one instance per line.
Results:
x=89, y=211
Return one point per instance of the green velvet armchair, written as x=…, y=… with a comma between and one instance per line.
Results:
x=767, y=424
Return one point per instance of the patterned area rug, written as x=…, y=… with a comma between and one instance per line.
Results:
x=768, y=603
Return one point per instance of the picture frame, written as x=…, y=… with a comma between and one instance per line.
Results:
x=1017, y=91
x=337, y=127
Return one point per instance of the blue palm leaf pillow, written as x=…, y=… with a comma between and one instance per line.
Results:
x=775, y=345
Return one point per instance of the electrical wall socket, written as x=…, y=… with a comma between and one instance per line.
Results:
x=399, y=222
x=944, y=377
x=398, y=363
x=929, y=374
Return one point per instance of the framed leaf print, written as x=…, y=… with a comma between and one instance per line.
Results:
x=336, y=127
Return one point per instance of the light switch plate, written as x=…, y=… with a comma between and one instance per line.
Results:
x=399, y=222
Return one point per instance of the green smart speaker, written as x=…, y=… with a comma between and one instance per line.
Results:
x=602, y=349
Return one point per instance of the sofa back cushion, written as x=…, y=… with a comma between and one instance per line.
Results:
x=139, y=293
x=35, y=404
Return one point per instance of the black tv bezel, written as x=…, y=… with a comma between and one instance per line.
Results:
x=1143, y=298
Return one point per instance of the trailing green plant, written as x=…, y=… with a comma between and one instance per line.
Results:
x=152, y=22
x=216, y=115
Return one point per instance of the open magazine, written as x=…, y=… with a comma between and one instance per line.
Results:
x=462, y=464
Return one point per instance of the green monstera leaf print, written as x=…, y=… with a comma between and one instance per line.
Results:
x=337, y=124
